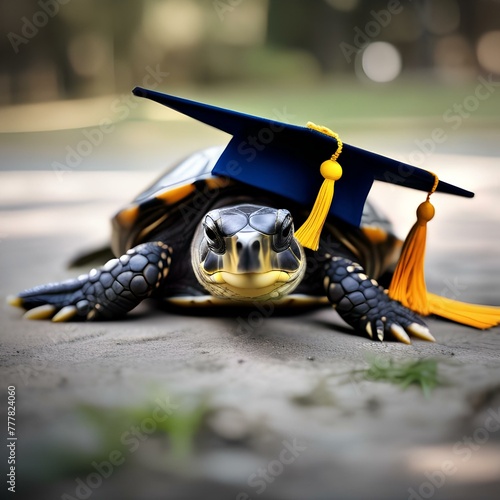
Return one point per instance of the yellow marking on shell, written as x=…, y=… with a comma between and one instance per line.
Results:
x=14, y=301
x=65, y=314
x=202, y=301
x=217, y=182
x=163, y=255
x=41, y=312
x=160, y=264
x=362, y=276
x=172, y=196
x=375, y=234
x=91, y=314
x=142, y=235
x=300, y=301
x=128, y=216
x=350, y=269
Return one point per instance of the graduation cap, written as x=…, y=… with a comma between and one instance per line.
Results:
x=303, y=164
x=285, y=159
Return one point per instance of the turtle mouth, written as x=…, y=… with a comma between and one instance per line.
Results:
x=264, y=285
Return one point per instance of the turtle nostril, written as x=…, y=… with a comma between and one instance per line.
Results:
x=255, y=246
x=239, y=246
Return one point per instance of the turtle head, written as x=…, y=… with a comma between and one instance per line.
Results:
x=248, y=252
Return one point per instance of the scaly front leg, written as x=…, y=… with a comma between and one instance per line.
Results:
x=105, y=293
x=365, y=305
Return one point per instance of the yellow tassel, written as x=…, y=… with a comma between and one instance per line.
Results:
x=408, y=282
x=309, y=233
x=474, y=315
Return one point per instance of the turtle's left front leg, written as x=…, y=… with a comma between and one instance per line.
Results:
x=105, y=293
x=365, y=305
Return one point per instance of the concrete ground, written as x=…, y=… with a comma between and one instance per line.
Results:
x=173, y=406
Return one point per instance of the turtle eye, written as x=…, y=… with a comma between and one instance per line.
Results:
x=214, y=239
x=284, y=234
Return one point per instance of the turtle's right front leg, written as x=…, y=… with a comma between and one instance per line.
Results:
x=364, y=305
x=105, y=293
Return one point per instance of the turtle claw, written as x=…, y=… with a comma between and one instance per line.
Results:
x=41, y=312
x=65, y=314
x=14, y=301
x=368, y=329
x=421, y=332
x=380, y=330
x=400, y=334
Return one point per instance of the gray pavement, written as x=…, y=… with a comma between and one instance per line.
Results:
x=272, y=412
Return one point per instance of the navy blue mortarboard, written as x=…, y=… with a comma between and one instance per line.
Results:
x=285, y=159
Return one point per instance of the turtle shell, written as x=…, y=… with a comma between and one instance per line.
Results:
x=176, y=200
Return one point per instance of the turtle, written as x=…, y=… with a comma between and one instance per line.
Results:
x=195, y=239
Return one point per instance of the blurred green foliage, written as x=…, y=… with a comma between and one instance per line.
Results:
x=54, y=49
x=422, y=373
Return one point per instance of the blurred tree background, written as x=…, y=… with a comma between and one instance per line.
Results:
x=60, y=49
